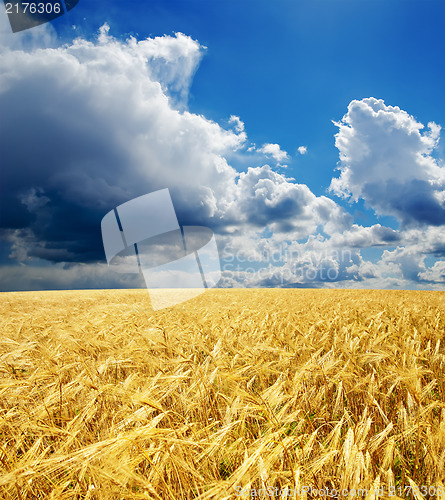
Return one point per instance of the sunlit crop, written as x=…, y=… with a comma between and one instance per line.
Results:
x=229, y=394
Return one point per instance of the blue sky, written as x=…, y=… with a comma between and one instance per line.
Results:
x=287, y=70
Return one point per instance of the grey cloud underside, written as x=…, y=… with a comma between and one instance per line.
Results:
x=92, y=125
x=413, y=202
x=386, y=158
x=76, y=149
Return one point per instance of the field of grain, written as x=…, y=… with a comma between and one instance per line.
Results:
x=234, y=394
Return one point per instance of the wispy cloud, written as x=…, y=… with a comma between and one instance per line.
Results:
x=274, y=151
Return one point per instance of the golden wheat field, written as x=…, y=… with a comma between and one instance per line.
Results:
x=234, y=394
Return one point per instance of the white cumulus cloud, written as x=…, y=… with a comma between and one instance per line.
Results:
x=237, y=123
x=274, y=151
x=386, y=159
x=105, y=121
x=93, y=124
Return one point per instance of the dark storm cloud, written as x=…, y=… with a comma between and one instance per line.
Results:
x=92, y=125
x=82, y=136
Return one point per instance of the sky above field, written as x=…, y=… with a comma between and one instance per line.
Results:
x=305, y=133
